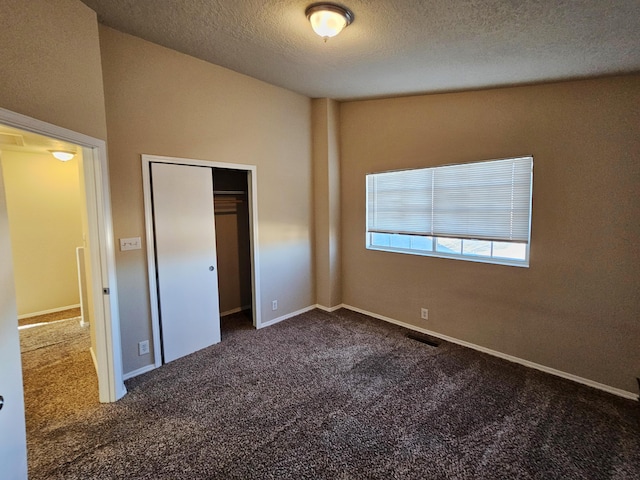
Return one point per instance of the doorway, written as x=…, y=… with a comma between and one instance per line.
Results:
x=233, y=247
x=49, y=239
x=100, y=252
x=248, y=172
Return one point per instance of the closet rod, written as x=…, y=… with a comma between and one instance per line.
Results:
x=229, y=192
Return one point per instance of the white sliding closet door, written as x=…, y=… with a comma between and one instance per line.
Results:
x=185, y=258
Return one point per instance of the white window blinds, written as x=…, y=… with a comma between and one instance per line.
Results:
x=400, y=202
x=488, y=200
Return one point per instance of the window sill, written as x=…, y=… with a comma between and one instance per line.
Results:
x=467, y=258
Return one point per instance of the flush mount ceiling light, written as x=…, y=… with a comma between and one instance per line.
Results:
x=63, y=155
x=328, y=19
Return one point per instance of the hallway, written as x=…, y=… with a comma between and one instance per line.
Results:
x=59, y=379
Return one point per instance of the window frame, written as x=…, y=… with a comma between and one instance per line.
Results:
x=514, y=262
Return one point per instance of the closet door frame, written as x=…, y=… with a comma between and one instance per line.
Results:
x=252, y=192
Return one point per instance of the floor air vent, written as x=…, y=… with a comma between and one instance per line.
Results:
x=423, y=339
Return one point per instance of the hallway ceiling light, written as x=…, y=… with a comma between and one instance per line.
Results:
x=63, y=155
x=328, y=19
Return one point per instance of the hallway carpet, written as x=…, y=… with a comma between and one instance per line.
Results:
x=60, y=384
x=342, y=396
x=50, y=317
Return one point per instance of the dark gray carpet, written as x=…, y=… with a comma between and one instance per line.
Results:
x=343, y=396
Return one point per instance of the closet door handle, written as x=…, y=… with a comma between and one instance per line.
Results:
x=211, y=269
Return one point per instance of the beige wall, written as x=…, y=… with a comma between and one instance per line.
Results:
x=576, y=308
x=43, y=202
x=162, y=102
x=50, y=64
x=326, y=187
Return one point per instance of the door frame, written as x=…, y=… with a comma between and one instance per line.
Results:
x=252, y=183
x=108, y=354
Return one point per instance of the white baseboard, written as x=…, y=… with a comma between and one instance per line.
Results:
x=329, y=309
x=235, y=310
x=559, y=373
x=95, y=360
x=284, y=317
x=44, y=312
x=139, y=371
x=122, y=391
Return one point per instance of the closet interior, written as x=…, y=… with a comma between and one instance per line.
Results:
x=231, y=207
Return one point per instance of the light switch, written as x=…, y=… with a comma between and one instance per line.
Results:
x=133, y=243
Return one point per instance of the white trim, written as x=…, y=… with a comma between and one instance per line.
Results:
x=151, y=263
x=81, y=269
x=558, y=373
x=329, y=309
x=107, y=322
x=103, y=271
x=235, y=310
x=45, y=312
x=139, y=371
x=287, y=316
x=94, y=359
x=252, y=185
x=33, y=125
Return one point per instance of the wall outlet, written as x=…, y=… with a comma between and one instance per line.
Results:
x=143, y=347
x=424, y=314
x=274, y=305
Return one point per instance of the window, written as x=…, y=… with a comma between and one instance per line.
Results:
x=475, y=211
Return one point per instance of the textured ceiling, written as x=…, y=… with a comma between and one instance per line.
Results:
x=394, y=47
